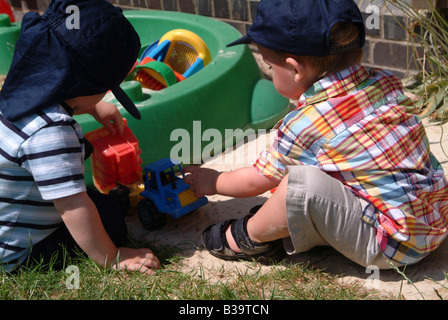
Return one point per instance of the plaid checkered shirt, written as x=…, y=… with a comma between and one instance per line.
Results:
x=359, y=127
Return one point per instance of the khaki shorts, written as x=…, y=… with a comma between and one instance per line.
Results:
x=322, y=212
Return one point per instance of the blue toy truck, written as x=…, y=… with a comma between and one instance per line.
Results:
x=165, y=193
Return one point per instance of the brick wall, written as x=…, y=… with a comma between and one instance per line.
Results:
x=387, y=43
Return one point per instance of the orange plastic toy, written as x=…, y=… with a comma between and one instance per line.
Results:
x=146, y=60
x=155, y=75
x=116, y=158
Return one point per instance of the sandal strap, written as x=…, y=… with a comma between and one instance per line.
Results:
x=239, y=232
x=214, y=240
x=218, y=239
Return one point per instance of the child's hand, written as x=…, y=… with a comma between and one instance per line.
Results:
x=142, y=260
x=81, y=217
x=108, y=115
x=201, y=180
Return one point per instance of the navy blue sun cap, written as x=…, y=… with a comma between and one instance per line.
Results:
x=56, y=60
x=302, y=27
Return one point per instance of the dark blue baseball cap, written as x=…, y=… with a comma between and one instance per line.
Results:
x=56, y=59
x=302, y=27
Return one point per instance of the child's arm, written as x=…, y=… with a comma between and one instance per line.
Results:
x=241, y=183
x=81, y=217
x=105, y=113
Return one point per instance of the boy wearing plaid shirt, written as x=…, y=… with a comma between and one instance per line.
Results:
x=351, y=164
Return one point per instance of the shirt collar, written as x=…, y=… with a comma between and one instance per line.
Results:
x=67, y=108
x=334, y=85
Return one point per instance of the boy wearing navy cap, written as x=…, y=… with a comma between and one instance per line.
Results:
x=56, y=73
x=352, y=164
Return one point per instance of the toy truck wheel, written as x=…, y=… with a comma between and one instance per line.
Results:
x=120, y=195
x=149, y=216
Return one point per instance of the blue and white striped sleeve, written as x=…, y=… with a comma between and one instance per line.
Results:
x=54, y=157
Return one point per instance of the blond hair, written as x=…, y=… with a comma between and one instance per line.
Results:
x=341, y=34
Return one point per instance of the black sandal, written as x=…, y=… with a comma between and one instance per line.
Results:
x=214, y=240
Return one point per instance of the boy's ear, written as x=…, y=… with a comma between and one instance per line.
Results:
x=297, y=67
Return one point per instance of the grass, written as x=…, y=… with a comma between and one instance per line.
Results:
x=172, y=282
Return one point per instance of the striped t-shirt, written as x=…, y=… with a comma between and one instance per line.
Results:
x=41, y=159
x=360, y=128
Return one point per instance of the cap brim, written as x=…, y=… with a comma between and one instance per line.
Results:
x=242, y=40
x=126, y=102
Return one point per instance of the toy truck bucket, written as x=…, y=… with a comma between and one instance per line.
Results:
x=115, y=159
